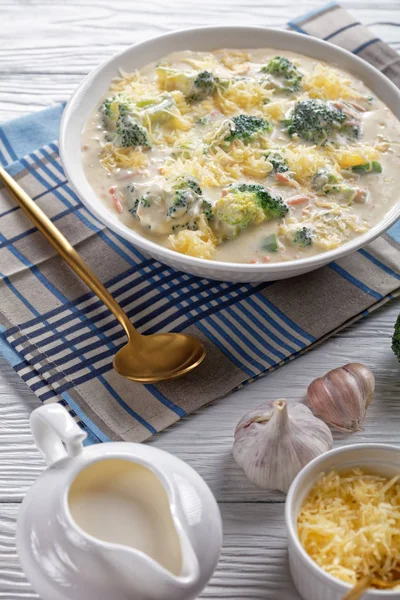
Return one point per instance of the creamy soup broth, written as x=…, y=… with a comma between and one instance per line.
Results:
x=320, y=147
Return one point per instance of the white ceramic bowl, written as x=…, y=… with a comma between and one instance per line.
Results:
x=96, y=84
x=311, y=581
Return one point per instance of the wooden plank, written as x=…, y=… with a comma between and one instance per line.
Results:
x=57, y=43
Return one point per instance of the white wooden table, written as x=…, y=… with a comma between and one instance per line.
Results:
x=46, y=46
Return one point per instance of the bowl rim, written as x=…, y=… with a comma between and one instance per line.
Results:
x=301, y=264
x=293, y=537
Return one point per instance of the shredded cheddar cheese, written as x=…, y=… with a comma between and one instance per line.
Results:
x=242, y=94
x=325, y=82
x=350, y=525
x=350, y=156
x=236, y=60
x=200, y=243
x=331, y=223
x=304, y=161
x=114, y=157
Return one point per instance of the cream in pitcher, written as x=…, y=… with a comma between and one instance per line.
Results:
x=115, y=520
x=124, y=503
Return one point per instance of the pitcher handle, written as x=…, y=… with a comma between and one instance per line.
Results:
x=55, y=433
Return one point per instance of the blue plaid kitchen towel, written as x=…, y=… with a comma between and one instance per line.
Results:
x=60, y=339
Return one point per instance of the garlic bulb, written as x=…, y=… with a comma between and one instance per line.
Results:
x=274, y=442
x=341, y=397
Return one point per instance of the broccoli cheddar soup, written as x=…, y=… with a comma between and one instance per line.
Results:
x=243, y=156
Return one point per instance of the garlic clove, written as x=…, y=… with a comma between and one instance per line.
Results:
x=274, y=442
x=341, y=397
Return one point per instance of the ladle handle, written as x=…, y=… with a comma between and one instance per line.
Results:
x=55, y=432
x=64, y=249
x=359, y=589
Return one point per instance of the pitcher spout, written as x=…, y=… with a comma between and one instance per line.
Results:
x=142, y=577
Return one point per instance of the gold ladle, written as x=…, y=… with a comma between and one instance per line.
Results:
x=365, y=583
x=145, y=358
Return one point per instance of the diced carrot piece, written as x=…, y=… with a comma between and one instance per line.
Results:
x=295, y=200
x=116, y=200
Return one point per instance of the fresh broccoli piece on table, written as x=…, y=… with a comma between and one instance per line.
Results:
x=317, y=121
x=284, y=69
x=303, y=237
x=370, y=167
x=246, y=128
x=396, y=338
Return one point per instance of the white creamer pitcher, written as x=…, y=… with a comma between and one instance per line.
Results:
x=116, y=520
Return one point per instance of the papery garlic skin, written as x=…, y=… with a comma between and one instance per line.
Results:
x=276, y=440
x=341, y=397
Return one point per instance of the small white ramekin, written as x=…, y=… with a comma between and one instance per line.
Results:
x=310, y=580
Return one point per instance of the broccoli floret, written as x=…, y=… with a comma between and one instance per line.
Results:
x=303, y=237
x=317, y=121
x=246, y=128
x=396, y=338
x=329, y=182
x=131, y=133
x=322, y=178
x=186, y=193
x=194, y=86
x=191, y=182
x=370, y=167
x=179, y=204
x=270, y=243
x=187, y=187
x=171, y=208
x=203, y=86
x=207, y=209
x=284, y=69
x=123, y=126
x=111, y=108
x=347, y=192
x=272, y=205
x=244, y=205
x=277, y=161
x=241, y=127
x=139, y=203
x=134, y=208
x=156, y=109
x=105, y=108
